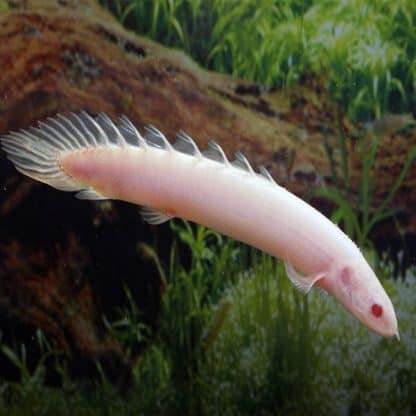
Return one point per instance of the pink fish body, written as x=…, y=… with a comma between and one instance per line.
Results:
x=100, y=160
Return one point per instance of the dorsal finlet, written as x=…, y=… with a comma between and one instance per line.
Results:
x=266, y=174
x=101, y=136
x=65, y=132
x=44, y=131
x=185, y=144
x=156, y=138
x=242, y=163
x=110, y=130
x=215, y=152
x=79, y=137
x=130, y=128
x=48, y=130
x=77, y=120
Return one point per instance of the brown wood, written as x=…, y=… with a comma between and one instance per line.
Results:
x=68, y=55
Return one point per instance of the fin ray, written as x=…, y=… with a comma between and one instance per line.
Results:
x=156, y=138
x=154, y=216
x=94, y=128
x=215, y=152
x=63, y=132
x=72, y=128
x=90, y=194
x=185, y=144
x=109, y=131
x=266, y=174
x=241, y=162
x=302, y=283
x=131, y=134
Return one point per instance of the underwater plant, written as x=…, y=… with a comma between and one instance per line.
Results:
x=359, y=218
x=365, y=51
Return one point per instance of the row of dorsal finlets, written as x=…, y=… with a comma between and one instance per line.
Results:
x=80, y=130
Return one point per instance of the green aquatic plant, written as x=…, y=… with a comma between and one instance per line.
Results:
x=27, y=393
x=128, y=327
x=30, y=381
x=184, y=24
x=189, y=326
x=4, y=7
x=365, y=51
x=266, y=355
x=277, y=352
x=200, y=302
x=263, y=42
x=358, y=218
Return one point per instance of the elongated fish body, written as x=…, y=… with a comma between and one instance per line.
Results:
x=100, y=160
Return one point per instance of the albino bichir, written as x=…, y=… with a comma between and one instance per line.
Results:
x=101, y=160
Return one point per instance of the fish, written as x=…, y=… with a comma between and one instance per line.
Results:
x=99, y=159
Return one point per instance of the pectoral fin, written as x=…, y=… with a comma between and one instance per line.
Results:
x=153, y=216
x=302, y=283
x=90, y=194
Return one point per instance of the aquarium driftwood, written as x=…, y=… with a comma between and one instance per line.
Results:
x=66, y=263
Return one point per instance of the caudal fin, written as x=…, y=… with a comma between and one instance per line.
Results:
x=36, y=151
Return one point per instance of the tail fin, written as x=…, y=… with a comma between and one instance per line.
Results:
x=36, y=151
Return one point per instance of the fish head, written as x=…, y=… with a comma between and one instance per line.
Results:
x=354, y=284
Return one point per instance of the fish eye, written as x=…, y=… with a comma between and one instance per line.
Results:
x=376, y=310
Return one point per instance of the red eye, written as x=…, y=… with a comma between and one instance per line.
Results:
x=377, y=310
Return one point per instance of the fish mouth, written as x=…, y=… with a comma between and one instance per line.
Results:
x=387, y=329
x=385, y=326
